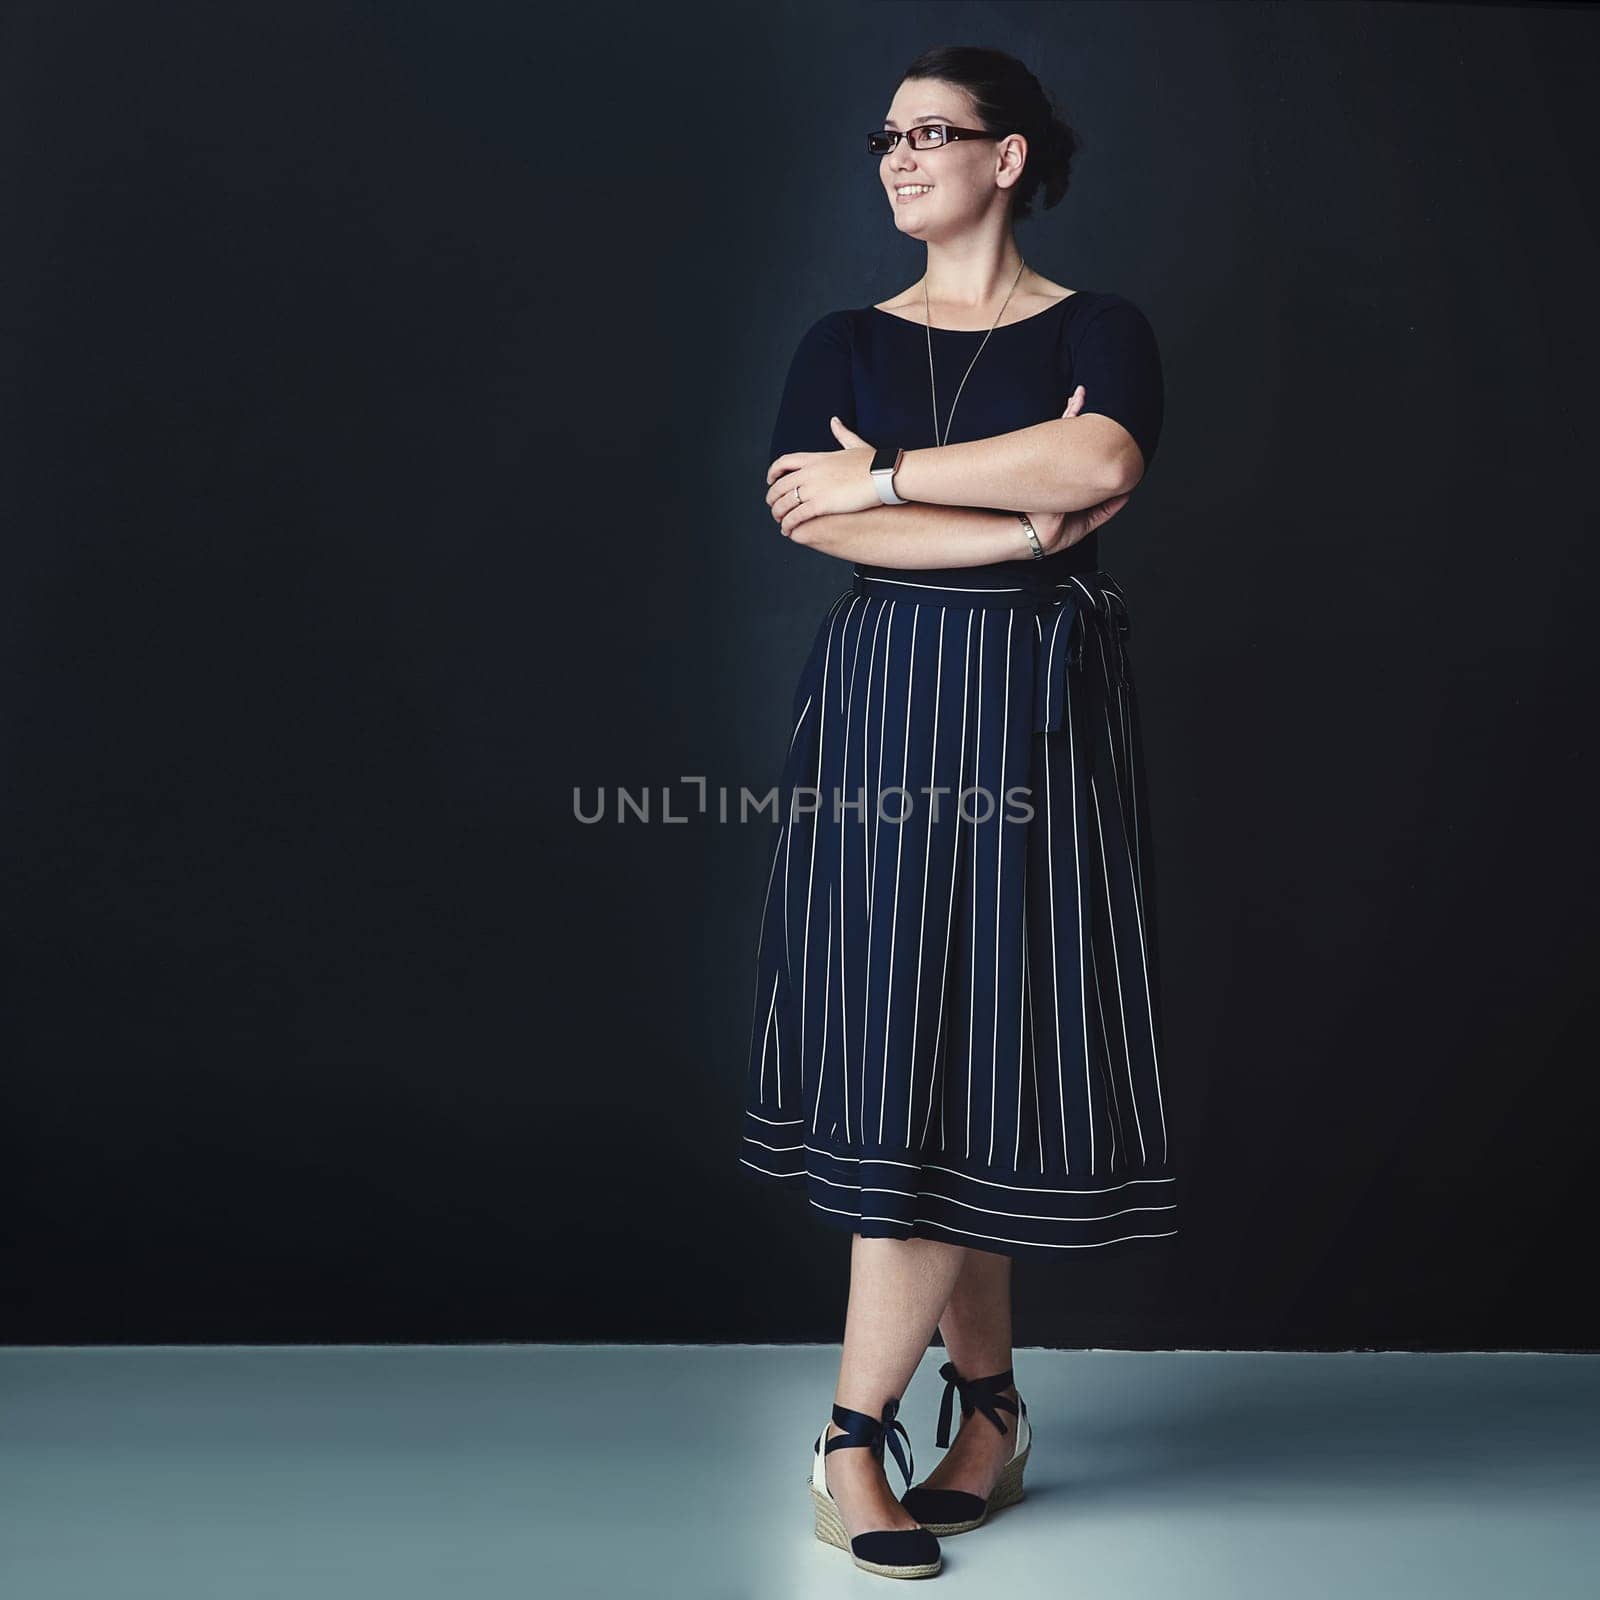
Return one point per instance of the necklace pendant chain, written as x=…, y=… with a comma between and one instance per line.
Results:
x=927, y=325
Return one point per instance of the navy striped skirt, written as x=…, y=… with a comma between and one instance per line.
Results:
x=955, y=1031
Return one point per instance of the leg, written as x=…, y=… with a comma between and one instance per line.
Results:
x=976, y=1324
x=897, y=1288
x=976, y=1328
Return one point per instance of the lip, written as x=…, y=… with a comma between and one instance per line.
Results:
x=906, y=199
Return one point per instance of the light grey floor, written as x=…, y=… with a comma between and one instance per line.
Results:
x=242, y=1473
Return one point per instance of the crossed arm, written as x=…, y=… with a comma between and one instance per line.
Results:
x=1070, y=475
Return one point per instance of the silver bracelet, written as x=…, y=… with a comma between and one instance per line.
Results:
x=1033, y=538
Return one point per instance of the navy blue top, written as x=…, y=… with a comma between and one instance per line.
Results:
x=870, y=369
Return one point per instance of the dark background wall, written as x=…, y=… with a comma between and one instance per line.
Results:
x=386, y=398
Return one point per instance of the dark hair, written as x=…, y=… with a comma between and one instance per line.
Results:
x=1009, y=99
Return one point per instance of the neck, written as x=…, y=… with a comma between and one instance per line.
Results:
x=974, y=276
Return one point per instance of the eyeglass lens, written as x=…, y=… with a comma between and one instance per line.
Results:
x=926, y=136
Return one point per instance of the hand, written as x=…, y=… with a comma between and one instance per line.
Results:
x=829, y=482
x=1059, y=530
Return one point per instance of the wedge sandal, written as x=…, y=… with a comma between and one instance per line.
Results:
x=946, y=1511
x=890, y=1552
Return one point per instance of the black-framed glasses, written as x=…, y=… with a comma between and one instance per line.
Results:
x=925, y=136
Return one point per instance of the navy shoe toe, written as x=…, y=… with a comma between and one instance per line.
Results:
x=943, y=1505
x=896, y=1547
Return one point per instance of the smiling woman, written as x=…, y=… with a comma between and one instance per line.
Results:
x=944, y=1005
x=955, y=1034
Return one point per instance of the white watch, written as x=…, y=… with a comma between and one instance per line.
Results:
x=884, y=465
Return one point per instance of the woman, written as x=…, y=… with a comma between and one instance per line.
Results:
x=955, y=1031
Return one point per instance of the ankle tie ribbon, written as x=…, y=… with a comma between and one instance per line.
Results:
x=977, y=1394
x=861, y=1428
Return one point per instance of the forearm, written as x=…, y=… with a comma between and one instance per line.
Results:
x=1050, y=466
x=917, y=535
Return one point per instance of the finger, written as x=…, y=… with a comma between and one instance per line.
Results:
x=1075, y=404
x=787, y=505
x=849, y=436
x=785, y=485
x=790, y=462
x=793, y=519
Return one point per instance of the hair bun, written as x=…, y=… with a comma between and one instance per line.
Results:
x=1008, y=98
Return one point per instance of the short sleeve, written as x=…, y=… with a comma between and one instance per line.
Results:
x=1116, y=359
x=819, y=386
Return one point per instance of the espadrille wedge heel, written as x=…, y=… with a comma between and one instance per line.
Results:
x=890, y=1552
x=946, y=1511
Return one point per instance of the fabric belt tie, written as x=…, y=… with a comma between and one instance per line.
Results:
x=1068, y=627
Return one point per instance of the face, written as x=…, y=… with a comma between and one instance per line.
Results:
x=935, y=193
